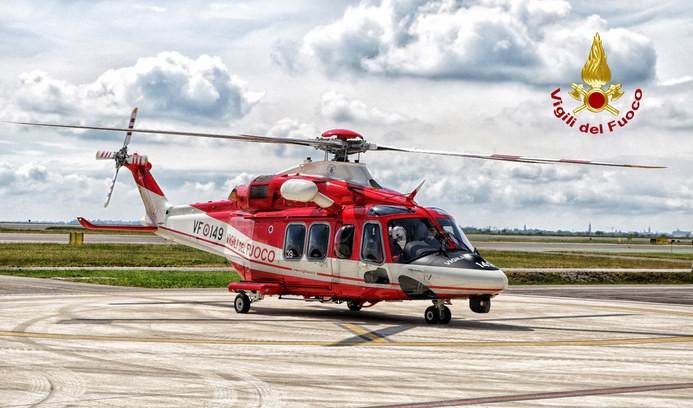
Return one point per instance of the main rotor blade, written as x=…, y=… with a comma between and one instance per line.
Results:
x=238, y=137
x=513, y=158
x=131, y=125
x=110, y=189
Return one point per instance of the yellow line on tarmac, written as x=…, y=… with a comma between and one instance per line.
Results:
x=363, y=332
x=603, y=342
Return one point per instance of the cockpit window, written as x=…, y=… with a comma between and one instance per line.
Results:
x=450, y=227
x=412, y=238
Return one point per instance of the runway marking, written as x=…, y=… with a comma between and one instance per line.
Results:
x=547, y=343
x=361, y=332
x=541, y=396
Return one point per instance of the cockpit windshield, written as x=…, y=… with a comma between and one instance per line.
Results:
x=458, y=236
x=413, y=238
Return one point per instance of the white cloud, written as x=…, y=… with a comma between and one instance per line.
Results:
x=336, y=106
x=677, y=81
x=153, y=9
x=289, y=127
x=530, y=41
x=168, y=85
x=505, y=194
x=30, y=190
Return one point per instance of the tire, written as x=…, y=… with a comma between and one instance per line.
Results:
x=353, y=306
x=446, y=317
x=241, y=303
x=431, y=315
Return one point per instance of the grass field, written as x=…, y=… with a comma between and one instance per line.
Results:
x=138, y=255
x=662, y=255
x=516, y=259
x=135, y=278
x=67, y=229
x=32, y=254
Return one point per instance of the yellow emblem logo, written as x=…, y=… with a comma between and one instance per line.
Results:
x=596, y=74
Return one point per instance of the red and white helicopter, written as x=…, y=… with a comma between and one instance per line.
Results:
x=324, y=230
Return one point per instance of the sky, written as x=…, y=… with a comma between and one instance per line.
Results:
x=472, y=76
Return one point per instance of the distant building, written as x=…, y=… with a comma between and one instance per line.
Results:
x=681, y=234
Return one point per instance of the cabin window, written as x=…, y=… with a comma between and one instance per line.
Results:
x=294, y=241
x=318, y=241
x=344, y=242
x=372, y=243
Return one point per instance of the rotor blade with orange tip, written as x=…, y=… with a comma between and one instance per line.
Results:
x=513, y=158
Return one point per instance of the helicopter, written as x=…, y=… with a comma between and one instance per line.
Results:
x=325, y=230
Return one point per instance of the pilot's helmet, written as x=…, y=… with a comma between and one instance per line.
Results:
x=399, y=235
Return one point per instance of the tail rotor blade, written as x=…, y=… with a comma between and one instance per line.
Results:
x=103, y=155
x=110, y=189
x=137, y=160
x=131, y=125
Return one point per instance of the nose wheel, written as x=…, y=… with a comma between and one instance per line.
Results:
x=438, y=313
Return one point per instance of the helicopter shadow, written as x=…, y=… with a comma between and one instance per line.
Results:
x=371, y=317
x=334, y=315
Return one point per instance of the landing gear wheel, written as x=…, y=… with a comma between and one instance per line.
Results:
x=480, y=304
x=431, y=315
x=241, y=303
x=353, y=306
x=446, y=315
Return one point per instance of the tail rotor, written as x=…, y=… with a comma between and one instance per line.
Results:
x=121, y=157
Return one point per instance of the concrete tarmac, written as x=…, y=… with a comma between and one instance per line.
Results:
x=67, y=344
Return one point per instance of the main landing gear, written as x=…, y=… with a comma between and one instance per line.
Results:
x=244, y=299
x=438, y=313
x=354, y=306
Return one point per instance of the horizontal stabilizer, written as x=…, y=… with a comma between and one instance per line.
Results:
x=138, y=228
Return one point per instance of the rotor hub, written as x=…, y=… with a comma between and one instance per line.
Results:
x=346, y=142
x=342, y=134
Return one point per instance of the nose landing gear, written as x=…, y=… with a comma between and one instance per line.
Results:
x=438, y=313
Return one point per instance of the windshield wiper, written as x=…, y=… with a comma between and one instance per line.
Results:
x=460, y=246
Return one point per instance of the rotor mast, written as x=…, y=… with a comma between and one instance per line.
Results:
x=350, y=143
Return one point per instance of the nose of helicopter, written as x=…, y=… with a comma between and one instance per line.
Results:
x=464, y=280
x=462, y=276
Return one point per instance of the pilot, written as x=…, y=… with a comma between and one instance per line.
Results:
x=398, y=239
